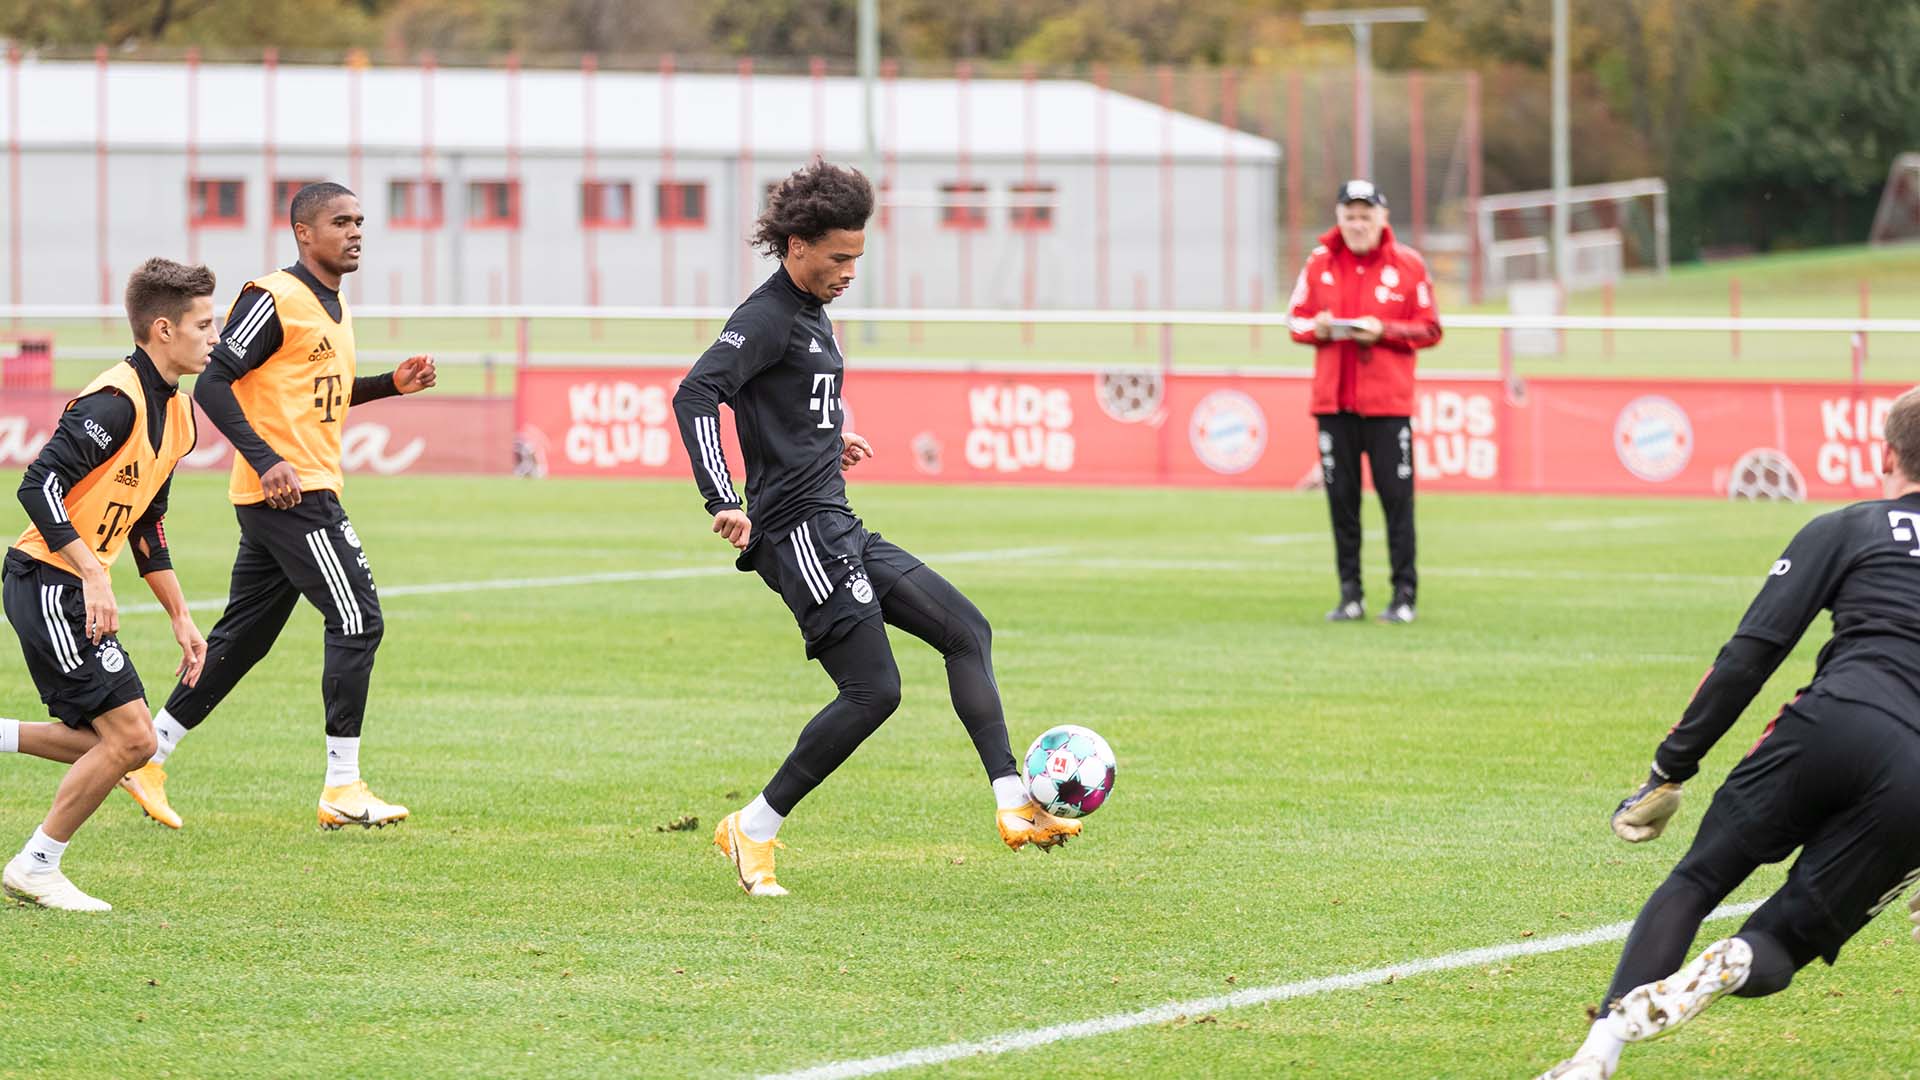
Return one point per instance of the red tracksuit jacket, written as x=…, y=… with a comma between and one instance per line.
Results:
x=1389, y=283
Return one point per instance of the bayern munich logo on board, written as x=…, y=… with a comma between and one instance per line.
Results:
x=1653, y=438
x=1228, y=432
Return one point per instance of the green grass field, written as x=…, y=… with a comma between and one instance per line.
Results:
x=1295, y=800
x=481, y=353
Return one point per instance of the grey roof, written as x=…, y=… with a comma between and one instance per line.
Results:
x=148, y=107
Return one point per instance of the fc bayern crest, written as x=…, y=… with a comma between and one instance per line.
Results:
x=1653, y=438
x=1228, y=432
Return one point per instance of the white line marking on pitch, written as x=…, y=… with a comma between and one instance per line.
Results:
x=611, y=577
x=1239, y=999
x=1508, y=572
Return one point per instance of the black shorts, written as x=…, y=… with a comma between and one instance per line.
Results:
x=77, y=679
x=1842, y=781
x=832, y=573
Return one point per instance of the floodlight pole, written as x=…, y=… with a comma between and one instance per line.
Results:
x=1361, y=21
x=1562, y=152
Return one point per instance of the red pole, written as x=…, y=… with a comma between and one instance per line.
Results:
x=270, y=63
x=1359, y=137
x=1031, y=245
x=1733, y=306
x=590, y=240
x=100, y=174
x=356, y=64
x=193, y=150
x=1101, y=225
x=1255, y=302
x=699, y=300
x=1866, y=289
x=513, y=176
x=890, y=177
x=1229, y=217
x=393, y=297
x=1417, y=150
x=915, y=332
x=743, y=174
x=431, y=227
x=817, y=69
x=963, y=160
x=1296, y=142
x=493, y=323
x=1140, y=304
x=1606, y=309
x=1476, y=280
x=1166, y=186
x=14, y=214
x=666, y=175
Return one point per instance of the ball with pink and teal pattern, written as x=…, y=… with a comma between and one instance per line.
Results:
x=1070, y=771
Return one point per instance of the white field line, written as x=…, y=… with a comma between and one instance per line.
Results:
x=1506, y=572
x=1015, y=1041
x=611, y=577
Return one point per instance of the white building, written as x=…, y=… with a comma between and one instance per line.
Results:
x=626, y=188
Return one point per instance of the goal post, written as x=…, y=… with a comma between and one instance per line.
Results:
x=1613, y=229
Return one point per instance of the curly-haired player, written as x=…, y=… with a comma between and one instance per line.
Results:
x=779, y=368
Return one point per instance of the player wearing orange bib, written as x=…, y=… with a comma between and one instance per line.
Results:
x=98, y=487
x=278, y=387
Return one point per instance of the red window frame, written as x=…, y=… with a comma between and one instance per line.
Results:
x=1032, y=209
x=680, y=204
x=416, y=203
x=963, y=205
x=283, y=193
x=593, y=204
x=493, y=204
x=214, y=203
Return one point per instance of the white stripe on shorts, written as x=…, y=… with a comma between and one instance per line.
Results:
x=57, y=629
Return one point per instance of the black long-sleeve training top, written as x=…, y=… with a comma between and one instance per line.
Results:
x=251, y=335
x=1862, y=562
x=777, y=365
x=88, y=436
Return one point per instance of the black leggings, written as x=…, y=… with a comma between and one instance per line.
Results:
x=1663, y=934
x=927, y=606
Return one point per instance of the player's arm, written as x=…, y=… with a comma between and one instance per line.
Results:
x=751, y=343
x=253, y=334
x=148, y=540
x=83, y=440
x=1308, y=323
x=1421, y=329
x=415, y=373
x=1800, y=585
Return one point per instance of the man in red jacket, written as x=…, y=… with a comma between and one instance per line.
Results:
x=1365, y=304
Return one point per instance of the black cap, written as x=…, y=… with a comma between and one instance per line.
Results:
x=1360, y=191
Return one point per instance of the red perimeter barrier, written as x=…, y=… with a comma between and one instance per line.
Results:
x=412, y=434
x=1813, y=440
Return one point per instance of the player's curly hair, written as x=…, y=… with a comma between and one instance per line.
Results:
x=812, y=202
x=164, y=289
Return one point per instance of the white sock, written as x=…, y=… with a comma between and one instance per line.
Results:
x=343, y=761
x=9, y=736
x=759, y=821
x=167, y=732
x=1604, y=1041
x=1010, y=792
x=43, y=852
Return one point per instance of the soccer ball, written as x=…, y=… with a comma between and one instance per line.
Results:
x=1070, y=771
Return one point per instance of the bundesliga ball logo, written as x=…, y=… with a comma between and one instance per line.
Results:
x=1070, y=771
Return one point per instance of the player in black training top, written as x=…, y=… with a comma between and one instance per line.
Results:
x=779, y=368
x=1837, y=773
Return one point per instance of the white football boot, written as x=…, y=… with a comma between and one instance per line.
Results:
x=47, y=887
x=1653, y=1010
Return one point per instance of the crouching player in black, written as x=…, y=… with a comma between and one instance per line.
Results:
x=98, y=486
x=777, y=365
x=1836, y=774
